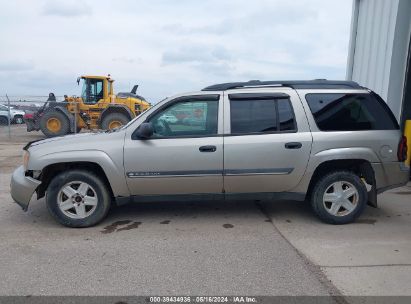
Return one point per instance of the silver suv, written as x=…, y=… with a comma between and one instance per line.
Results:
x=332, y=143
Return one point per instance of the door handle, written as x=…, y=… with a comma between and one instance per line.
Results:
x=293, y=145
x=207, y=148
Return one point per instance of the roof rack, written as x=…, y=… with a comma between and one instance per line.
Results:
x=295, y=84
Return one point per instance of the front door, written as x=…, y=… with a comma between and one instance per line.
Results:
x=267, y=143
x=185, y=154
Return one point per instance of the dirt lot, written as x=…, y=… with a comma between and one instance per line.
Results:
x=269, y=248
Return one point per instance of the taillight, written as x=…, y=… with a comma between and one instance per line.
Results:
x=28, y=116
x=402, y=149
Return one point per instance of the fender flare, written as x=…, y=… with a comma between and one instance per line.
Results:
x=114, y=173
x=69, y=116
x=360, y=153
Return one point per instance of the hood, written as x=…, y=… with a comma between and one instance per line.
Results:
x=83, y=141
x=79, y=147
x=59, y=139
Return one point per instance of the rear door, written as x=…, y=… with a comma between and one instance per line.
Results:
x=267, y=140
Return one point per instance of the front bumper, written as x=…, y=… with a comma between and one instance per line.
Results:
x=22, y=187
x=390, y=175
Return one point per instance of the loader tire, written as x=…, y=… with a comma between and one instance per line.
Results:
x=54, y=123
x=114, y=120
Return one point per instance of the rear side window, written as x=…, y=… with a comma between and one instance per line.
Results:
x=261, y=116
x=285, y=115
x=350, y=112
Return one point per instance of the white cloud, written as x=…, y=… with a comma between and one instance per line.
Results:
x=13, y=66
x=169, y=46
x=66, y=8
x=195, y=53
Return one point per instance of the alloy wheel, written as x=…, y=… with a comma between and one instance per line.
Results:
x=341, y=198
x=77, y=200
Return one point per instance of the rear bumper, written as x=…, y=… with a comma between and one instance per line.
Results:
x=390, y=175
x=22, y=187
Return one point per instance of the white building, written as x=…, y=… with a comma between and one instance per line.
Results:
x=380, y=51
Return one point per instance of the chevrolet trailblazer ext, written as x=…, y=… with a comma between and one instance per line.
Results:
x=333, y=143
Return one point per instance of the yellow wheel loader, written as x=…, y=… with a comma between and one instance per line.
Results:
x=97, y=108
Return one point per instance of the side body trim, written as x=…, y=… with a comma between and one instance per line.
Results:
x=229, y=172
x=173, y=173
x=258, y=171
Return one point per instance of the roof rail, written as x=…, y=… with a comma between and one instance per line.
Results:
x=295, y=84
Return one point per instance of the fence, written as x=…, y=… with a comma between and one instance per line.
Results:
x=15, y=114
x=23, y=118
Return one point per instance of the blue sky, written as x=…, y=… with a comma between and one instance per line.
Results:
x=169, y=46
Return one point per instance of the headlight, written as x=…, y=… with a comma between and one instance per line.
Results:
x=26, y=157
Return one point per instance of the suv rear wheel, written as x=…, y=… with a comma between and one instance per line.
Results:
x=78, y=198
x=339, y=197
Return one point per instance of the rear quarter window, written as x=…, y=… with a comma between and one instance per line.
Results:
x=350, y=112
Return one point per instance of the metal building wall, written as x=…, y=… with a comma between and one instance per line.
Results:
x=380, y=35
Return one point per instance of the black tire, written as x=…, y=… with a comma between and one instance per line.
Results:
x=344, y=216
x=111, y=117
x=63, y=120
x=102, y=195
x=18, y=119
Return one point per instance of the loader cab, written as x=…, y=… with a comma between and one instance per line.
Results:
x=95, y=89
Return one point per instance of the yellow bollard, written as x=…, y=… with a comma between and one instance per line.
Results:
x=407, y=133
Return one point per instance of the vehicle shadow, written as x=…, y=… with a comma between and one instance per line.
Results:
x=239, y=210
x=207, y=211
x=182, y=209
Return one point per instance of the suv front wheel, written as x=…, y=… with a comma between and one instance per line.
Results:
x=339, y=197
x=78, y=198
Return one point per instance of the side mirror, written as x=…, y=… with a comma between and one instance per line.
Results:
x=145, y=130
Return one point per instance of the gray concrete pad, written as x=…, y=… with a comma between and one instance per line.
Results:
x=188, y=249
x=372, y=280
x=371, y=256
x=194, y=248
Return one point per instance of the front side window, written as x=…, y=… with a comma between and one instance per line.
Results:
x=350, y=112
x=187, y=119
x=261, y=116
